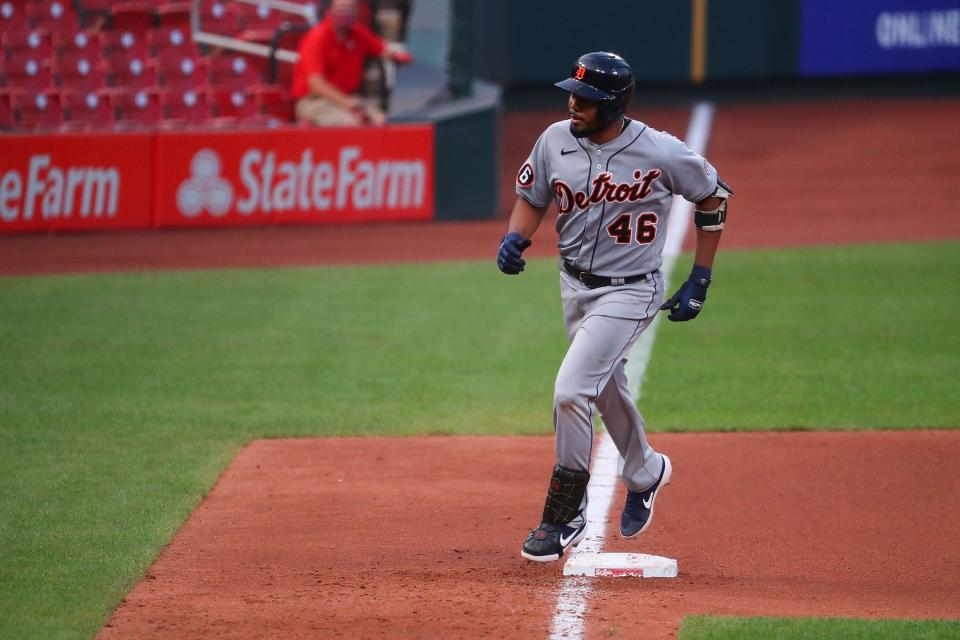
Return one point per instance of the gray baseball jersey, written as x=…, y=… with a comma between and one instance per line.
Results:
x=613, y=199
x=613, y=202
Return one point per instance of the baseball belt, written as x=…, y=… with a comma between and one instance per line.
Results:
x=592, y=281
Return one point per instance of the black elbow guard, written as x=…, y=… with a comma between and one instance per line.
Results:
x=713, y=219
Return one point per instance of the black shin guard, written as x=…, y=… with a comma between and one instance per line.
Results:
x=564, y=495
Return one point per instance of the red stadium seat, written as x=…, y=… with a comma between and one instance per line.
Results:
x=174, y=14
x=38, y=44
x=260, y=16
x=94, y=13
x=181, y=71
x=234, y=104
x=129, y=42
x=88, y=109
x=261, y=65
x=171, y=39
x=137, y=17
x=53, y=15
x=261, y=122
x=27, y=73
x=78, y=41
x=153, y=4
x=189, y=106
x=260, y=22
x=96, y=6
x=233, y=71
x=271, y=99
x=220, y=18
x=132, y=72
x=13, y=16
x=81, y=70
x=138, y=108
x=6, y=112
x=39, y=110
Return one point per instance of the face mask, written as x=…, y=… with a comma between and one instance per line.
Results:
x=343, y=20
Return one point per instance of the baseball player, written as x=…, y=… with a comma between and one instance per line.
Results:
x=612, y=180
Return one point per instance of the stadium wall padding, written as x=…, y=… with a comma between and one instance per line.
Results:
x=534, y=42
x=467, y=148
x=747, y=39
x=466, y=181
x=537, y=41
x=446, y=169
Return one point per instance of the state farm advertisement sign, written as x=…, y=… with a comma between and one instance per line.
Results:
x=75, y=181
x=294, y=175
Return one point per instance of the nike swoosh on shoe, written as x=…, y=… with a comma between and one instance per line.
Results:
x=565, y=542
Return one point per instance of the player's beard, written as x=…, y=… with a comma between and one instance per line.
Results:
x=586, y=130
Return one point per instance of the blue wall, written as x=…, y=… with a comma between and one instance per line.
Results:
x=879, y=36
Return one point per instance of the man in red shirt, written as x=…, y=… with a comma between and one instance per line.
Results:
x=330, y=70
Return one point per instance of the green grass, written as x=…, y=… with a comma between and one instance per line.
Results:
x=122, y=397
x=825, y=338
x=714, y=628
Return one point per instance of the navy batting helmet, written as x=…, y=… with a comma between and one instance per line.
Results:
x=605, y=77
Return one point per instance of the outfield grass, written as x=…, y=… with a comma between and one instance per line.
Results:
x=819, y=338
x=122, y=397
x=715, y=628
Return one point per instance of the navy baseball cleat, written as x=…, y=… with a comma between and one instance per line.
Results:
x=638, y=510
x=548, y=541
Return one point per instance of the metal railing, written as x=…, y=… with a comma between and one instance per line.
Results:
x=307, y=11
x=281, y=31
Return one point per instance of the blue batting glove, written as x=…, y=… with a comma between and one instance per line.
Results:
x=509, y=258
x=688, y=300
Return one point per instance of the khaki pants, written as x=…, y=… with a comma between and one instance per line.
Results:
x=325, y=113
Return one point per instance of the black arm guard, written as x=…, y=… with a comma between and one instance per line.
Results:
x=713, y=219
x=564, y=495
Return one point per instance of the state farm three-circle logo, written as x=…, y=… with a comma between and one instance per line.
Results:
x=204, y=190
x=525, y=175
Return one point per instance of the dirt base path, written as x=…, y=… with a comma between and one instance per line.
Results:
x=281, y=246
x=812, y=524
x=356, y=538
x=419, y=537
x=852, y=171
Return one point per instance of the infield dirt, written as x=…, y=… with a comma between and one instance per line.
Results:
x=420, y=537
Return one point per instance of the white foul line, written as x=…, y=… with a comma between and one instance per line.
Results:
x=570, y=615
x=681, y=211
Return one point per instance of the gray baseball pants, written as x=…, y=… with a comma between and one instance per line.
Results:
x=602, y=325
